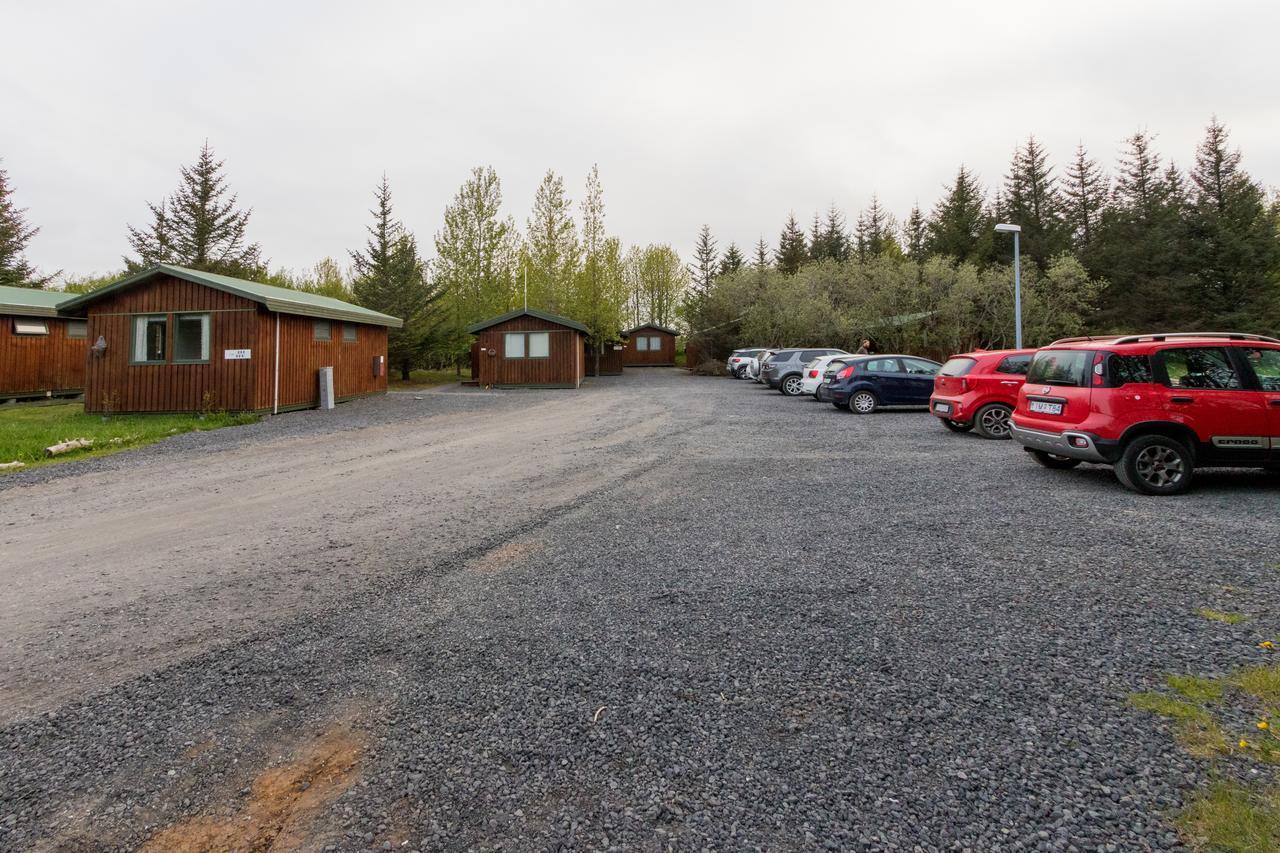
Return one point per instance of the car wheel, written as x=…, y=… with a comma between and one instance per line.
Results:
x=792, y=385
x=1155, y=465
x=956, y=426
x=1052, y=460
x=863, y=403
x=741, y=372
x=992, y=421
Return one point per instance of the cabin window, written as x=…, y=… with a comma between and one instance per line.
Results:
x=77, y=328
x=23, y=326
x=150, y=335
x=526, y=345
x=655, y=343
x=321, y=331
x=350, y=334
x=190, y=338
x=642, y=344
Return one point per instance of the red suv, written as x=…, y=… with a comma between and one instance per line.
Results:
x=979, y=390
x=1154, y=406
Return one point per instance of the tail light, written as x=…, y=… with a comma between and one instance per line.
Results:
x=964, y=385
x=846, y=373
x=1098, y=368
x=736, y=360
x=813, y=374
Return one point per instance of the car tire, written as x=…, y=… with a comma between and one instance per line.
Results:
x=992, y=421
x=1155, y=465
x=1051, y=460
x=741, y=372
x=792, y=386
x=955, y=426
x=863, y=402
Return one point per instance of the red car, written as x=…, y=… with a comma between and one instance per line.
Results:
x=979, y=390
x=1156, y=407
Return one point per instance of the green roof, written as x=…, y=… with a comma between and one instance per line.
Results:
x=280, y=299
x=29, y=302
x=532, y=312
x=670, y=331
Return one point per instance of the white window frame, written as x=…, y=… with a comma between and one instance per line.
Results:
x=204, y=338
x=538, y=345
x=138, y=353
x=642, y=343
x=29, y=326
x=513, y=345
x=655, y=343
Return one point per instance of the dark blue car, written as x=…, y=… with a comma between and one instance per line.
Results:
x=866, y=383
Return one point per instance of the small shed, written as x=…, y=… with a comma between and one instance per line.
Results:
x=650, y=345
x=42, y=354
x=610, y=359
x=170, y=339
x=529, y=348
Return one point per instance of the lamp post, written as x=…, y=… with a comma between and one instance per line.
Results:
x=1015, y=230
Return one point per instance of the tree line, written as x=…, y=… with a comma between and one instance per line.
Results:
x=483, y=265
x=1145, y=247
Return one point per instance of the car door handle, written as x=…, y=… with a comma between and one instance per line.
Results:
x=1182, y=399
x=1007, y=382
x=1276, y=403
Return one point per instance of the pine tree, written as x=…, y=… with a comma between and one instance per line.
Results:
x=874, y=231
x=199, y=226
x=1031, y=200
x=391, y=277
x=817, y=240
x=959, y=226
x=732, y=261
x=1084, y=198
x=792, y=251
x=914, y=234
x=1234, y=251
x=835, y=236
x=601, y=301
x=761, y=259
x=15, y=233
x=552, y=255
x=704, y=267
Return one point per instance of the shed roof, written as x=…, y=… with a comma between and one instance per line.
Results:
x=666, y=329
x=280, y=299
x=531, y=312
x=29, y=302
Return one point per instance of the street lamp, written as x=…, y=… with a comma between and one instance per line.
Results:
x=1015, y=230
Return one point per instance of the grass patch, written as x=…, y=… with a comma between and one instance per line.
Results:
x=1194, y=727
x=1261, y=682
x=1230, y=817
x=1168, y=706
x=1222, y=616
x=425, y=379
x=25, y=431
x=1195, y=688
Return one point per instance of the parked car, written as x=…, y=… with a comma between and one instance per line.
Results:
x=868, y=382
x=784, y=370
x=815, y=372
x=1155, y=407
x=756, y=365
x=739, y=361
x=979, y=390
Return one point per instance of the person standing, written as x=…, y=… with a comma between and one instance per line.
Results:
x=865, y=349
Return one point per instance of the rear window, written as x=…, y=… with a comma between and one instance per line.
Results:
x=1124, y=369
x=1018, y=365
x=1060, y=367
x=957, y=367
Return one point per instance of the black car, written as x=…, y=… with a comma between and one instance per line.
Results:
x=868, y=382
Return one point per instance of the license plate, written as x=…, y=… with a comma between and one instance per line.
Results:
x=1044, y=407
x=942, y=408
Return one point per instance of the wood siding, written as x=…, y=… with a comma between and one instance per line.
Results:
x=115, y=384
x=664, y=357
x=610, y=361
x=564, y=368
x=38, y=364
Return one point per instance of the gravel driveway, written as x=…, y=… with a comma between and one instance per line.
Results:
x=663, y=612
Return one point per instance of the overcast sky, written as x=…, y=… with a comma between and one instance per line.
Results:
x=728, y=113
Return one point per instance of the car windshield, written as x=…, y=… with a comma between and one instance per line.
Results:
x=957, y=367
x=1059, y=367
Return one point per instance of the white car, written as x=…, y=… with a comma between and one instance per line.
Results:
x=739, y=362
x=814, y=370
x=754, y=365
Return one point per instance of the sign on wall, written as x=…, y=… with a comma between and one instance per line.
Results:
x=237, y=354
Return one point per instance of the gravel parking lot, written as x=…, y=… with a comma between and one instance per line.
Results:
x=664, y=612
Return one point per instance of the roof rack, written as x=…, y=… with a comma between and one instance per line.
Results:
x=1160, y=336
x=1084, y=339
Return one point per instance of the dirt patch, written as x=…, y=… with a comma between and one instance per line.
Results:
x=505, y=555
x=282, y=803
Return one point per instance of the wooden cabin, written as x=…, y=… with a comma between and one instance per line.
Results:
x=610, y=359
x=169, y=339
x=650, y=345
x=42, y=354
x=529, y=349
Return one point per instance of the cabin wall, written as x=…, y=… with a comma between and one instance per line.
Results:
x=610, y=361
x=114, y=384
x=32, y=365
x=302, y=356
x=664, y=357
x=565, y=367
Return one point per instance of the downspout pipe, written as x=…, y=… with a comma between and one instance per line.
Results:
x=275, y=401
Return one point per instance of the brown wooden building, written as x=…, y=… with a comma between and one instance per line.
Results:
x=650, y=345
x=170, y=339
x=610, y=359
x=41, y=353
x=528, y=348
